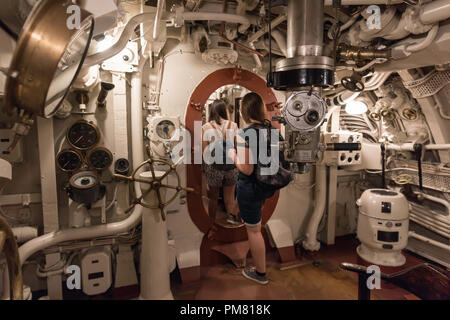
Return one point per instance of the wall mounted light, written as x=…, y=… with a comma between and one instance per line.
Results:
x=356, y=107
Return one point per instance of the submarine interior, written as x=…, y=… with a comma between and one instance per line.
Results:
x=105, y=195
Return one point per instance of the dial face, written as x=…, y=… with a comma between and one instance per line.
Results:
x=84, y=180
x=100, y=158
x=83, y=135
x=165, y=129
x=69, y=160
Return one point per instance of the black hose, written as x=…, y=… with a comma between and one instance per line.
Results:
x=418, y=150
x=11, y=33
x=270, y=75
x=383, y=165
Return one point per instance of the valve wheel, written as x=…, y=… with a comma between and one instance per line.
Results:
x=155, y=185
x=403, y=179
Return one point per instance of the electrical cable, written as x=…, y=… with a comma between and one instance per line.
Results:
x=270, y=74
x=383, y=164
x=418, y=148
x=8, y=31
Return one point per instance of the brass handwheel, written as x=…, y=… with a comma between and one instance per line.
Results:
x=8, y=244
x=155, y=185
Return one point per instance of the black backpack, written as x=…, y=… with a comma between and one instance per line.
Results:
x=284, y=176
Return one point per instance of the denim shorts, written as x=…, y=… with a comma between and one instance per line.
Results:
x=250, y=200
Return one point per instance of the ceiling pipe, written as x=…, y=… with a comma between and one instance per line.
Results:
x=159, y=11
x=435, y=11
x=122, y=42
x=280, y=39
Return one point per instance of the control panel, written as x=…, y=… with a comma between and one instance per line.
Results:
x=343, y=148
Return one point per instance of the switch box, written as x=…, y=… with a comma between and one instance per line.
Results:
x=343, y=157
x=96, y=271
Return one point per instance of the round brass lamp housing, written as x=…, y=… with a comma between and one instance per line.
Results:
x=48, y=57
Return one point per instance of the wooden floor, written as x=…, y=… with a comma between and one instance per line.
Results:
x=319, y=278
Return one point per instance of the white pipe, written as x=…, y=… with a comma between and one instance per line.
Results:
x=434, y=218
x=434, y=11
x=214, y=16
x=160, y=7
x=24, y=234
x=429, y=241
x=370, y=64
x=420, y=211
x=374, y=84
x=431, y=223
x=274, y=23
x=343, y=98
x=426, y=42
x=280, y=39
x=56, y=237
x=154, y=264
x=155, y=279
x=410, y=147
x=443, y=202
x=122, y=42
x=311, y=242
x=256, y=57
x=437, y=147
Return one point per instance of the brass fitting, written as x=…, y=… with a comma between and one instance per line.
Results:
x=360, y=54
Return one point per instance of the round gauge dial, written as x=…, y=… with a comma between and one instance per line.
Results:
x=69, y=160
x=165, y=129
x=100, y=158
x=83, y=180
x=83, y=135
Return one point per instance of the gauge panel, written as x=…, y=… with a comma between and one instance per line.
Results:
x=83, y=135
x=69, y=160
x=100, y=158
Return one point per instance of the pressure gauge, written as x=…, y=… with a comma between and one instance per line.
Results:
x=69, y=160
x=84, y=180
x=165, y=129
x=100, y=158
x=84, y=187
x=83, y=135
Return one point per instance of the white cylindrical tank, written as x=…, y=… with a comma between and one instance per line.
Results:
x=383, y=227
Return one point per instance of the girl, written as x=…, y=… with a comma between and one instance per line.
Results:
x=220, y=176
x=250, y=197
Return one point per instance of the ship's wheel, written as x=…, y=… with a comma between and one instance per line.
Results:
x=156, y=183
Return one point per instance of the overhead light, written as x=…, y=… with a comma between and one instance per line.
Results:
x=356, y=107
x=47, y=59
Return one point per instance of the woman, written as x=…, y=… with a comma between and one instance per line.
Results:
x=220, y=175
x=250, y=197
